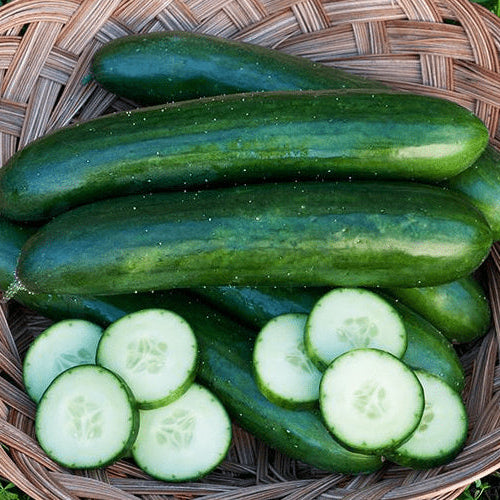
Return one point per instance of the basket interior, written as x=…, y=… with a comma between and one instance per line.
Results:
x=445, y=48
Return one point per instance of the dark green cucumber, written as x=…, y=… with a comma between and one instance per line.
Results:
x=459, y=309
x=481, y=185
x=154, y=68
x=241, y=138
x=427, y=348
x=225, y=355
x=317, y=233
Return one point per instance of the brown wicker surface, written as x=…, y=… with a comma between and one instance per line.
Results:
x=447, y=48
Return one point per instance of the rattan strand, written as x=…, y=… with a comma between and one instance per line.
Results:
x=446, y=48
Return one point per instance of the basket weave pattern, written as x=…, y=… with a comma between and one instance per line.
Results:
x=447, y=48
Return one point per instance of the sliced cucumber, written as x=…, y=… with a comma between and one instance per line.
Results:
x=63, y=345
x=86, y=418
x=442, y=432
x=283, y=371
x=350, y=318
x=154, y=351
x=370, y=400
x=184, y=440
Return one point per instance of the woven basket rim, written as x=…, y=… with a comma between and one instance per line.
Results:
x=445, y=48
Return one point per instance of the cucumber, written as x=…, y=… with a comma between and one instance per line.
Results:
x=442, y=431
x=86, y=418
x=183, y=440
x=67, y=343
x=240, y=138
x=344, y=233
x=480, y=184
x=154, y=68
x=349, y=318
x=460, y=310
x=427, y=348
x=370, y=400
x=154, y=351
x=283, y=371
x=225, y=361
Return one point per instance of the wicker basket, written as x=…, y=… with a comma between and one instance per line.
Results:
x=447, y=48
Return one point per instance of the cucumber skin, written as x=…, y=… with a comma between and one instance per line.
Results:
x=480, y=184
x=58, y=307
x=224, y=362
x=427, y=348
x=459, y=309
x=241, y=138
x=420, y=235
x=155, y=68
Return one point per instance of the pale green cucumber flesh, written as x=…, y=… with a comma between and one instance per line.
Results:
x=350, y=318
x=442, y=432
x=65, y=344
x=225, y=365
x=370, y=400
x=427, y=347
x=283, y=371
x=154, y=351
x=86, y=418
x=184, y=440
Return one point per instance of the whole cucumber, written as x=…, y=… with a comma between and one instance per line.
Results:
x=427, y=348
x=155, y=68
x=317, y=233
x=439, y=304
x=241, y=138
x=225, y=362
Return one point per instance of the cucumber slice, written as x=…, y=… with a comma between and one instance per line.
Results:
x=283, y=371
x=86, y=418
x=154, y=351
x=184, y=440
x=442, y=432
x=351, y=318
x=63, y=345
x=370, y=400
